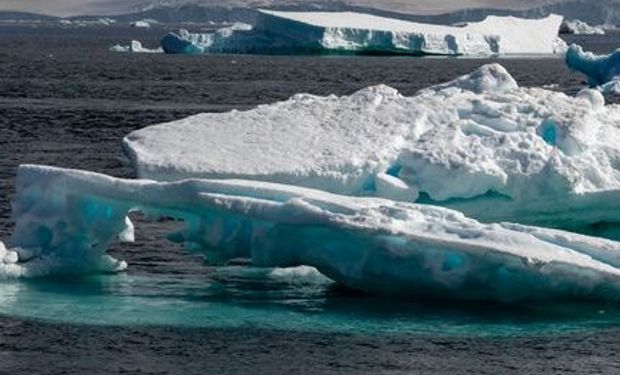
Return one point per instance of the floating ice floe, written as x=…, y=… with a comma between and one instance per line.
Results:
x=141, y=24
x=578, y=27
x=602, y=71
x=320, y=32
x=66, y=219
x=104, y=21
x=135, y=46
x=479, y=144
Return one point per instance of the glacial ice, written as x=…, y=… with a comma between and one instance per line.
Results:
x=135, y=46
x=602, y=71
x=479, y=144
x=66, y=219
x=578, y=27
x=321, y=32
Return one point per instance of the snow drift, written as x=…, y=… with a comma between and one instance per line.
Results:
x=66, y=219
x=320, y=32
x=480, y=144
x=602, y=71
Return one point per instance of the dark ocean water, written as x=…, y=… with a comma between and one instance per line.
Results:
x=66, y=101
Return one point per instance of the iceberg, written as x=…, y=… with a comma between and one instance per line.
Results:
x=602, y=71
x=578, y=27
x=135, y=46
x=479, y=144
x=349, y=32
x=141, y=24
x=66, y=219
x=188, y=43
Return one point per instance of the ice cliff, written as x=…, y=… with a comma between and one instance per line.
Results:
x=480, y=144
x=348, y=32
x=603, y=71
x=66, y=219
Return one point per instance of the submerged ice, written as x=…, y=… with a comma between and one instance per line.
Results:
x=318, y=32
x=602, y=71
x=66, y=219
x=480, y=144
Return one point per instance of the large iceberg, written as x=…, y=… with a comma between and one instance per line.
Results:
x=602, y=71
x=480, y=144
x=66, y=219
x=348, y=32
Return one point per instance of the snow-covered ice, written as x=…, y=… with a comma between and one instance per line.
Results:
x=480, y=144
x=66, y=219
x=134, y=46
x=299, y=32
x=602, y=71
x=578, y=27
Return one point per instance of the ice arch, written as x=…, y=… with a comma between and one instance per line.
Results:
x=66, y=219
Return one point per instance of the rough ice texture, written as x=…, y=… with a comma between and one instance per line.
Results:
x=299, y=32
x=578, y=27
x=480, y=144
x=602, y=71
x=135, y=46
x=66, y=219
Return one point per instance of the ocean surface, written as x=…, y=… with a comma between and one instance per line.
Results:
x=65, y=100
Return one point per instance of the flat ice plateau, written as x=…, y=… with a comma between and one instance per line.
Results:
x=323, y=32
x=66, y=219
x=603, y=71
x=479, y=144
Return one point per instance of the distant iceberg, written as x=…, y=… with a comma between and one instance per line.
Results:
x=66, y=219
x=479, y=144
x=578, y=27
x=348, y=32
x=135, y=46
x=141, y=24
x=602, y=71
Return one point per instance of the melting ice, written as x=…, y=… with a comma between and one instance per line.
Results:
x=329, y=182
x=66, y=219
x=603, y=71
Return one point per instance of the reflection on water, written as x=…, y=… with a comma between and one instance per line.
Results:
x=297, y=299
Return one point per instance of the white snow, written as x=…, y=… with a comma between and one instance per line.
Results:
x=278, y=31
x=578, y=27
x=66, y=219
x=135, y=46
x=480, y=144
